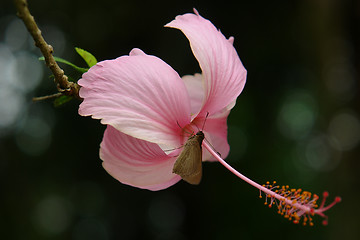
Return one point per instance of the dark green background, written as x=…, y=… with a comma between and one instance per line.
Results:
x=290, y=49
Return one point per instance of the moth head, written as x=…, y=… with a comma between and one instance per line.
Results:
x=200, y=134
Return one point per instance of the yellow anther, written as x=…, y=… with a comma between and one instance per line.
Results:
x=289, y=202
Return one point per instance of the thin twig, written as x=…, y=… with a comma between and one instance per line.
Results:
x=64, y=86
x=36, y=99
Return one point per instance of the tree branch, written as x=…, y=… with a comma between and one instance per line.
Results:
x=63, y=84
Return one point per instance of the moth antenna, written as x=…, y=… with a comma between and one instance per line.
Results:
x=207, y=114
x=172, y=149
x=190, y=133
x=218, y=153
x=178, y=124
x=202, y=128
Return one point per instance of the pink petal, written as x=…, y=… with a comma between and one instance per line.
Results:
x=223, y=72
x=139, y=95
x=136, y=162
x=195, y=87
x=215, y=131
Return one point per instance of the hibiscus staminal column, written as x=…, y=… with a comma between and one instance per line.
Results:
x=293, y=204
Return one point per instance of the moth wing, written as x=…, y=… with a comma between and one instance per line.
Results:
x=189, y=163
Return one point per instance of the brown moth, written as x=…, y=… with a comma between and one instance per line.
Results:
x=189, y=163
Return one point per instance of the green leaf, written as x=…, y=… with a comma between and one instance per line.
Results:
x=62, y=100
x=60, y=60
x=88, y=57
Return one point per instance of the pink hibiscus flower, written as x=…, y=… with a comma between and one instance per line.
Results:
x=144, y=102
x=149, y=109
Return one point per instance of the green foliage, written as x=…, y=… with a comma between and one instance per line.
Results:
x=62, y=100
x=88, y=57
x=90, y=61
x=60, y=60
